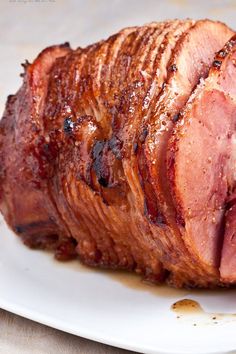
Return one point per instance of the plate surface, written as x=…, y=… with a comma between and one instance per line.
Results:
x=109, y=307
x=112, y=308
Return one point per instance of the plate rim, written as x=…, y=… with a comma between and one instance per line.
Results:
x=48, y=320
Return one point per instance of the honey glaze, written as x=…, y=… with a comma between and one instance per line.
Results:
x=187, y=306
x=188, y=309
x=129, y=280
x=135, y=281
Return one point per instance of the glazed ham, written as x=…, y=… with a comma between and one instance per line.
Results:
x=123, y=153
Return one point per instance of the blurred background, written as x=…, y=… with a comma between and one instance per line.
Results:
x=27, y=26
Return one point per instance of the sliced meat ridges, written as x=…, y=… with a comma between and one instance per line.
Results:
x=189, y=63
x=106, y=245
x=144, y=110
x=201, y=165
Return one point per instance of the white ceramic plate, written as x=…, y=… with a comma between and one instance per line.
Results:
x=116, y=309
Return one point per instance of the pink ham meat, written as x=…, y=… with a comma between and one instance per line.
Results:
x=202, y=168
x=190, y=61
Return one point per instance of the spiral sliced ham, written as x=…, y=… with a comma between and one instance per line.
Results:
x=117, y=153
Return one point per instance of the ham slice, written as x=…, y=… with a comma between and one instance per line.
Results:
x=201, y=166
